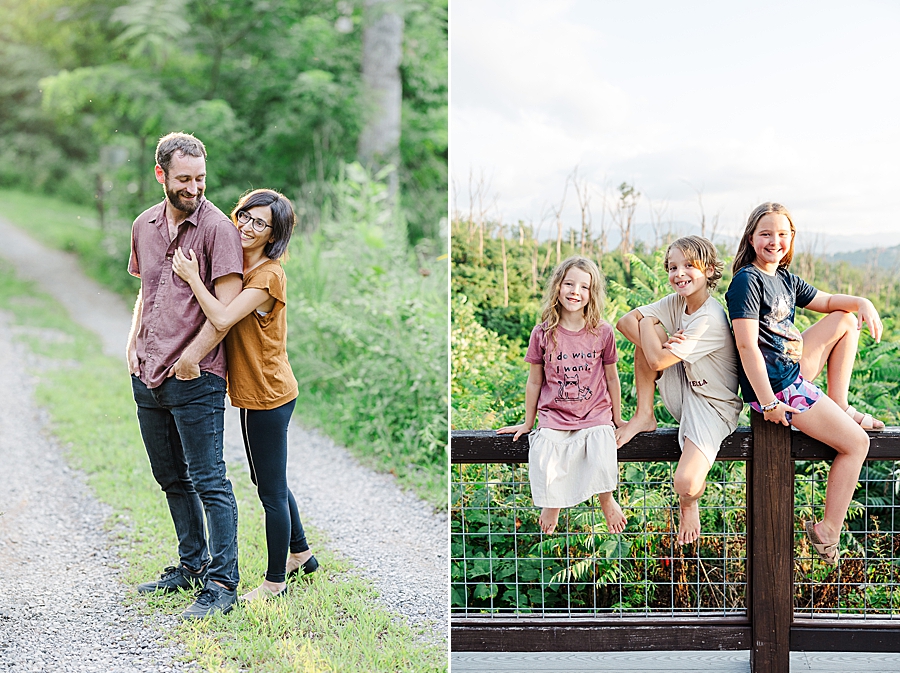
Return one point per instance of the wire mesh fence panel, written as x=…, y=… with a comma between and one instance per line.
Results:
x=866, y=582
x=503, y=565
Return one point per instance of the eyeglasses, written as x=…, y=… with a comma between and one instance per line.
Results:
x=258, y=225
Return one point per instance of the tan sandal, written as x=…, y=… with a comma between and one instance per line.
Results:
x=867, y=422
x=829, y=553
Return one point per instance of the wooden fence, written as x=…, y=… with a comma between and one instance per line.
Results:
x=770, y=629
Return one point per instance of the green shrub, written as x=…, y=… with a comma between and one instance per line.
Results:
x=369, y=336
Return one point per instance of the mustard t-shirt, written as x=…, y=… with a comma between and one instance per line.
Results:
x=259, y=374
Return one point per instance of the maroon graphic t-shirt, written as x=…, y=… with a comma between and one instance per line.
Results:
x=574, y=395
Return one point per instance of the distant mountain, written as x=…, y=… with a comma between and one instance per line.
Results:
x=858, y=250
x=880, y=257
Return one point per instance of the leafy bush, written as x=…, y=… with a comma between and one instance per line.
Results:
x=368, y=336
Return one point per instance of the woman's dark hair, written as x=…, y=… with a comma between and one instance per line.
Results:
x=283, y=218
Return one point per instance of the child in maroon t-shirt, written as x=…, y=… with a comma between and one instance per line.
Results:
x=573, y=389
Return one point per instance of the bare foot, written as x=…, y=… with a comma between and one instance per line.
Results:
x=266, y=590
x=615, y=517
x=548, y=519
x=642, y=423
x=294, y=561
x=689, y=521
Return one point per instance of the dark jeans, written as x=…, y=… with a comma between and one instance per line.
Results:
x=182, y=423
x=265, y=440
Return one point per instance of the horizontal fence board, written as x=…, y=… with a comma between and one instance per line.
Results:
x=517, y=635
x=883, y=445
x=845, y=635
x=486, y=446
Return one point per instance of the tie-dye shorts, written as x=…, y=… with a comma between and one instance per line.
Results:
x=801, y=395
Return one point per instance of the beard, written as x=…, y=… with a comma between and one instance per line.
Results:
x=187, y=206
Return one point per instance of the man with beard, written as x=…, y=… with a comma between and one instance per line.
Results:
x=177, y=366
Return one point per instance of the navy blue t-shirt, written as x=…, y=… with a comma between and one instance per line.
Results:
x=771, y=300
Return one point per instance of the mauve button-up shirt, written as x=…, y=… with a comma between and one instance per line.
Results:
x=171, y=317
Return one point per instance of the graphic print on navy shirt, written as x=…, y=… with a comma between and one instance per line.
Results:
x=771, y=300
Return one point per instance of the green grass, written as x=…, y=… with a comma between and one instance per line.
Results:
x=73, y=228
x=330, y=623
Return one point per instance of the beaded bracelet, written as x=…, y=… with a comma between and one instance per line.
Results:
x=771, y=406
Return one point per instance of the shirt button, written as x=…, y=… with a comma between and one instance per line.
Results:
x=162, y=282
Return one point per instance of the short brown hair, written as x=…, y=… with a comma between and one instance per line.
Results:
x=177, y=142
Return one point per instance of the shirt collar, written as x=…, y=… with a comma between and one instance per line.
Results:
x=193, y=218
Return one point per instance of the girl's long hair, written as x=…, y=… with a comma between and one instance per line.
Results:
x=593, y=310
x=745, y=253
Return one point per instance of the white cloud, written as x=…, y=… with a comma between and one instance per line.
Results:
x=801, y=109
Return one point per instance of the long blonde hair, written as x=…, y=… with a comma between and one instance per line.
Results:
x=593, y=310
x=745, y=253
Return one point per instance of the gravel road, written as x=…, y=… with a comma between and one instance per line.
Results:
x=51, y=521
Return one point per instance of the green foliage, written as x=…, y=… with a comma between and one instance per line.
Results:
x=272, y=86
x=583, y=566
x=500, y=560
x=368, y=337
x=488, y=388
x=63, y=226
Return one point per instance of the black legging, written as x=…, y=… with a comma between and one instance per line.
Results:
x=265, y=440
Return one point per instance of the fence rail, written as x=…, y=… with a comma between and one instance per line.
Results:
x=770, y=627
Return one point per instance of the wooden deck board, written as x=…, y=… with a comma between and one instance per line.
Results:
x=673, y=662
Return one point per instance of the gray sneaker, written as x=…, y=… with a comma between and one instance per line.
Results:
x=213, y=598
x=173, y=579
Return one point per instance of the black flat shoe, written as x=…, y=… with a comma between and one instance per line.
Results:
x=308, y=568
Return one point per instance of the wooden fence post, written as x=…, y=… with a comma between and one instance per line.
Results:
x=770, y=495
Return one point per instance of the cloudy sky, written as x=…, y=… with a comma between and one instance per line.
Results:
x=797, y=102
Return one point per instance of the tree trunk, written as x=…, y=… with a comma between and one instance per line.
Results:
x=558, y=241
x=379, y=142
x=101, y=210
x=505, y=272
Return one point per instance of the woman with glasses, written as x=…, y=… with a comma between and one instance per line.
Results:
x=260, y=381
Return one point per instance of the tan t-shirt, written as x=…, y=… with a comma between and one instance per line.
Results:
x=259, y=374
x=708, y=351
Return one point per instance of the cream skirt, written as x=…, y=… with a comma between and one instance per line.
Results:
x=567, y=467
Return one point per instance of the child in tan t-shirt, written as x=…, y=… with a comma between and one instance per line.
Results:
x=684, y=345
